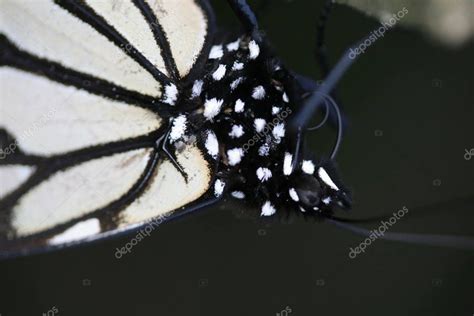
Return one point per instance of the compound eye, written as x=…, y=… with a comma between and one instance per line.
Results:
x=309, y=198
x=308, y=190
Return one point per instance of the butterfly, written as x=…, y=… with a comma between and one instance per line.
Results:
x=116, y=113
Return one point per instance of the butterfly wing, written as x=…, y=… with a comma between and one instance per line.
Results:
x=86, y=92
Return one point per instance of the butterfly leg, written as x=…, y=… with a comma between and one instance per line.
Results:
x=161, y=144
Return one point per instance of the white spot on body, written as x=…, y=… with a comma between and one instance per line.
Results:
x=218, y=188
x=78, y=231
x=258, y=93
x=268, y=209
x=307, y=167
x=234, y=84
x=279, y=131
x=216, y=52
x=327, y=200
x=239, y=106
x=171, y=94
x=197, y=88
x=212, y=107
x=254, y=50
x=212, y=145
x=259, y=124
x=179, y=128
x=235, y=156
x=263, y=174
x=264, y=150
x=219, y=73
x=327, y=179
x=237, y=131
x=287, y=164
x=238, y=195
x=237, y=66
x=294, y=196
x=233, y=46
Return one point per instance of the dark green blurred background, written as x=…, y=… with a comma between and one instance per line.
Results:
x=411, y=109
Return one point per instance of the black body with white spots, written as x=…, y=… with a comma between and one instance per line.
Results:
x=240, y=113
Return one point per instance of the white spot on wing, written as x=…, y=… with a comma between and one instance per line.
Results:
x=254, y=50
x=327, y=179
x=171, y=94
x=212, y=145
x=218, y=187
x=275, y=110
x=308, y=167
x=78, y=231
x=268, y=209
x=327, y=200
x=285, y=97
x=287, y=167
x=219, y=73
x=216, y=52
x=235, y=156
x=212, y=107
x=263, y=174
x=258, y=93
x=294, y=196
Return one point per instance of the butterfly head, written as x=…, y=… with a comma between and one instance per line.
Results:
x=318, y=189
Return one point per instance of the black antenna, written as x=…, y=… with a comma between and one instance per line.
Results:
x=310, y=106
x=450, y=241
